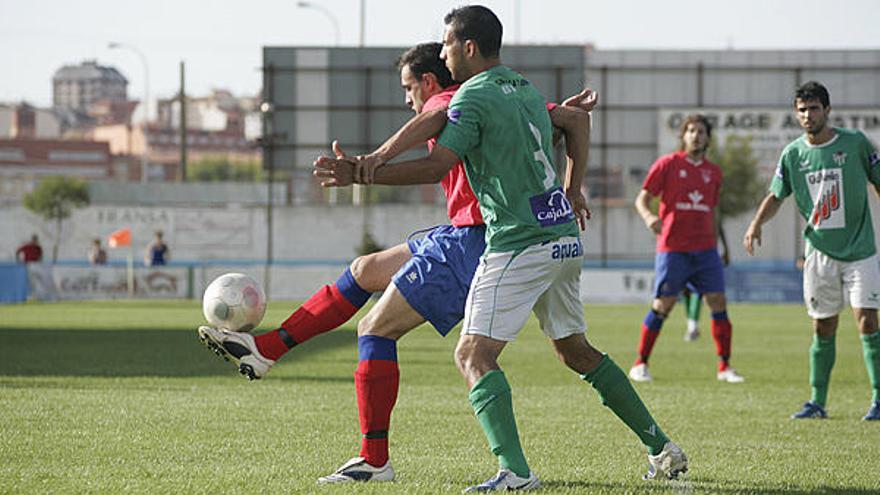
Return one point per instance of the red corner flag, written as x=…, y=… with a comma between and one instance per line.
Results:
x=121, y=237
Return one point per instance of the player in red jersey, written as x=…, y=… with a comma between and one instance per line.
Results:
x=427, y=279
x=689, y=188
x=30, y=252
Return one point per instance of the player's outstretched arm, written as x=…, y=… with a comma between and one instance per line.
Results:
x=428, y=170
x=339, y=172
x=415, y=132
x=643, y=206
x=768, y=209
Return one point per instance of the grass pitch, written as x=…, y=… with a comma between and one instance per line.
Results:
x=120, y=397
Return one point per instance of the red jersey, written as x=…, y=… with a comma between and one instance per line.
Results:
x=461, y=203
x=689, y=192
x=30, y=252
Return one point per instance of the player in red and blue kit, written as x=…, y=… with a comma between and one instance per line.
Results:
x=424, y=279
x=689, y=188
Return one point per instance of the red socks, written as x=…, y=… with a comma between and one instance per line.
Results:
x=721, y=332
x=377, y=379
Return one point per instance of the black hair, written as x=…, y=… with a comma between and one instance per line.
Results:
x=812, y=90
x=424, y=58
x=477, y=23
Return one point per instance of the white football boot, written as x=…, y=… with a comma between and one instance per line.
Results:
x=507, y=481
x=669, y=463
x=639, y=373
x=239, y=348
x=357, y=469
x=693, y=332
x=730, y=376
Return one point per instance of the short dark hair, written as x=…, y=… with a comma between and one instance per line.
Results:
x=813, y=90
x=693, y=119
x=477, y=23
x=424, y=58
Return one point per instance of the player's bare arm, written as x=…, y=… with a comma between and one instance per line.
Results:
x=643, y=206
x=768, y=209
x=575, y=123
x=426, y=125
x=428, y=170
x=415, y=132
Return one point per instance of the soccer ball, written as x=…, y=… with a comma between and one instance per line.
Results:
x=234, y=302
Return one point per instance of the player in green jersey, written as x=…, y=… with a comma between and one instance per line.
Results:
x=499, y=127
x=828, y=170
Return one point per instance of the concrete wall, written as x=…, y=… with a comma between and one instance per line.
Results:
x=321, y=233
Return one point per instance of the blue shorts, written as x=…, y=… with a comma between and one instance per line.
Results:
x=700, y=271
x=436, y=281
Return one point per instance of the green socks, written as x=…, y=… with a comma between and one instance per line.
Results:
x=492, y=404
x=822, y=354
x=617, y=394
x=694, y=302
x=871, y=349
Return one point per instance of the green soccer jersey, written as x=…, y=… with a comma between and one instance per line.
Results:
x=499, y=126
x=830, y=185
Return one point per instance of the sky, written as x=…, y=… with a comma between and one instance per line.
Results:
x=221, y=40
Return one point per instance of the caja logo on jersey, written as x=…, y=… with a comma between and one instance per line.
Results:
x=826, y=189
x=551, y=208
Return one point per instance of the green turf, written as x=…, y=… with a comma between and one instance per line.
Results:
x=119, y=397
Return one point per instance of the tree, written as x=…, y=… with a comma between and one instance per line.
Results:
x=742, y=188
x=219, y=168
x=54, y=198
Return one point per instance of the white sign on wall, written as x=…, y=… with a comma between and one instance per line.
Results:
x=771, y=129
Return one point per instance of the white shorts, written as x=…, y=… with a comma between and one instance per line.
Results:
x=827, y=279
x=507, y=287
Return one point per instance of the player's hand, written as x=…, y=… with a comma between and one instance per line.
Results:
x=654, y=224
x=725, y=258
x=334, y=172
x=579, y=207
x=585, y=100
x=752, y=237
x=365, y=168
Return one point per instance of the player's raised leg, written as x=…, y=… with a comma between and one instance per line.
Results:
x=325, y=310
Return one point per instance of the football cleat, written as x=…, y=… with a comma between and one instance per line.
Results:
x=811, y=410
x=507, y=481
x=873, y=413
x=730, y=375
x=357, y=469
x=639, y=373
x=691, y=334
x=239, y=348
x=669, y=463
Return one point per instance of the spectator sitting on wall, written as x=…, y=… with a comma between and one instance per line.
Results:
x=158, y=252
x=97, y=253
x=30, y=252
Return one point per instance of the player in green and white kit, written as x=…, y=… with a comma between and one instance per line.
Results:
x=828, y=169
x=499, y=127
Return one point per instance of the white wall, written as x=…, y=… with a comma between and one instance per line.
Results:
x=325, y=232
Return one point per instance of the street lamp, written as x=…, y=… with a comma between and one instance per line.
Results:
x=326, y=12
x=140, y=54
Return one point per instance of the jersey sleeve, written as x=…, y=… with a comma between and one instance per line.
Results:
x=464, y=123
x=780, y=185
x=873, y=160
x=654, y=182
